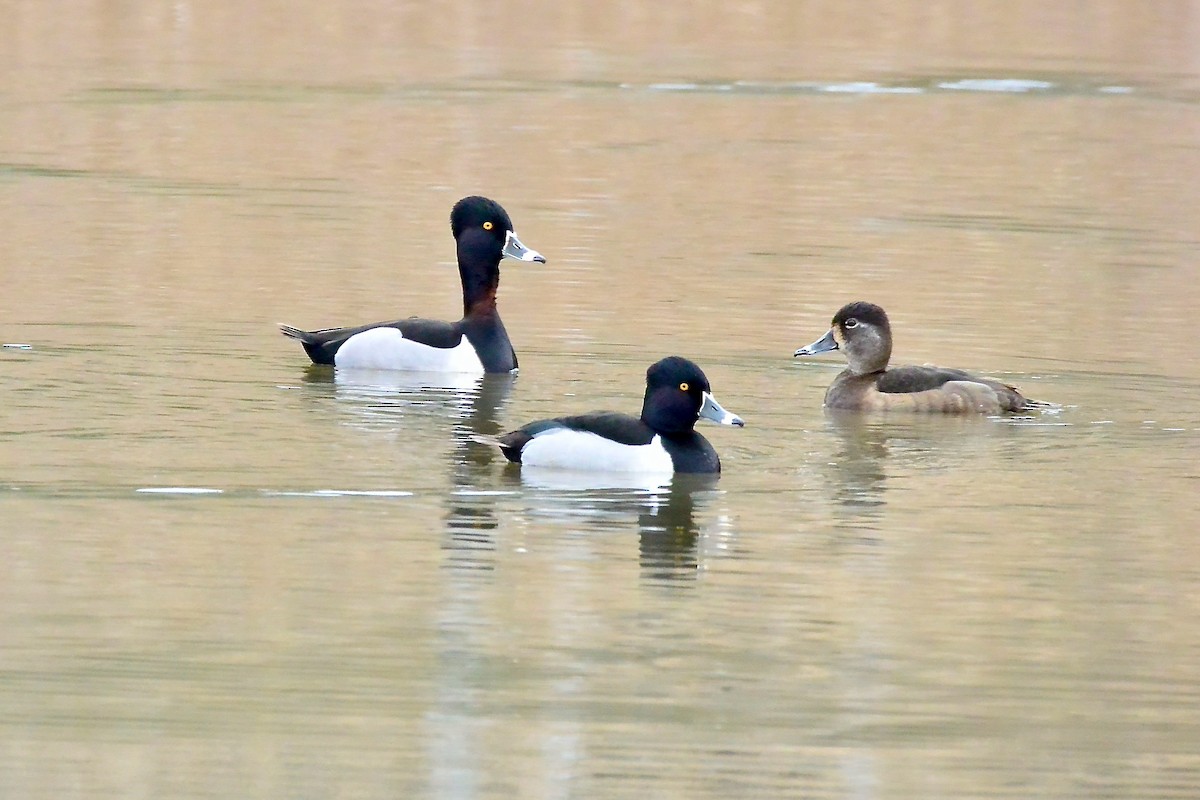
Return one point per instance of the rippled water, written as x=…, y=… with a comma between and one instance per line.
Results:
x=230, y=574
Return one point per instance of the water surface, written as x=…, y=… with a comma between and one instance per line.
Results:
x=227, y=573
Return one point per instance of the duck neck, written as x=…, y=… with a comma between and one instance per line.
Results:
x=666, y=418
x=480, y=274
x=869, y=360
x=862, y=370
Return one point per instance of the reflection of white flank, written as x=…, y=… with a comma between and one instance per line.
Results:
x=576, y=480
x=386, y=348
x=563, y=448
x=340, y=493
x=996, y=85
x=385, y=382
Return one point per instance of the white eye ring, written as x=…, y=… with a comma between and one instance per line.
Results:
x=850, y=323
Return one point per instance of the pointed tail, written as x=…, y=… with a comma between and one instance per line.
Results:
x=294, y=333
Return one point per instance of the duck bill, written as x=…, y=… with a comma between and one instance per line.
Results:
x=823, y=345
x=712, y=410
x=514, y=249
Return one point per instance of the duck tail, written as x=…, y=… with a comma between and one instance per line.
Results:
x=510, y=443
x=483, y=438
x=294, y=333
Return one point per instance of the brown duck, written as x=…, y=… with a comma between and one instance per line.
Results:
x=862, y=332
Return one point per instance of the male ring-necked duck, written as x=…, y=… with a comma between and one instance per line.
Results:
x=476, y=343
x=661, y=440
x=862, y=331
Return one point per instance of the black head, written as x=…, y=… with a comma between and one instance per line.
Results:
x=480, y=213
x=485, y=234
x=678, y=394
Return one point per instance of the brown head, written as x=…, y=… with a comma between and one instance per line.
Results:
x=860, y=330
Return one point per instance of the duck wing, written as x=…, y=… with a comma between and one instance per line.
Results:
x=906, y=380
x=912, y=380
x=613, y=425
x=322, y=345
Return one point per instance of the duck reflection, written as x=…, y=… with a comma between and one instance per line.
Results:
x=376, y=399
x=857, y=468
x=669, y=531
x=874, y=446
x=482, y=418
x=371, y=398
x=471, y=503
x=669, y=510
x=376, y=394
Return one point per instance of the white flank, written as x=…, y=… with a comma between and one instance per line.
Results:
x=386, y=348
x=562, y=448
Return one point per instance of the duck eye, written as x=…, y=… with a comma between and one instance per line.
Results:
x=850, y=323
x=487, y=226
x=683, y=387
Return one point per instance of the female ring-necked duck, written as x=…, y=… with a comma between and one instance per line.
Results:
x=862, y=331
x=476, y=343
x=661, y=440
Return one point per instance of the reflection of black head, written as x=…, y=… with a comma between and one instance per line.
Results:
x=482, y=419
x=668, y=531
x=471, y=516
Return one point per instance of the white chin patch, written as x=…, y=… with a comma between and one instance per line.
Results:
x=562, y=448
x=386, y=348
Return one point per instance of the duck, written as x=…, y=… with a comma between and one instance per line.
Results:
x=861, y=330
x=477, y=343
x=662, y=440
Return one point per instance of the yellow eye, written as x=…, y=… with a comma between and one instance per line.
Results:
x=683, y=387
x=487, y=226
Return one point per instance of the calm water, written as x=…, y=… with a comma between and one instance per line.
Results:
x=226, y=574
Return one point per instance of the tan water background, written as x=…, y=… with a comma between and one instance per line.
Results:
x=224, y=574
